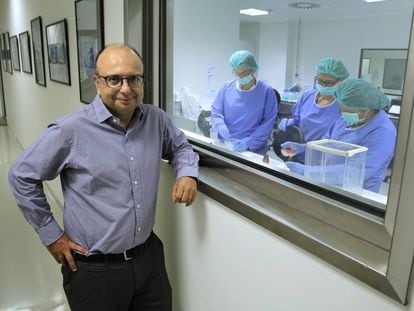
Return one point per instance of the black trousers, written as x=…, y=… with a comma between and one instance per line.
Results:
x=137, y=284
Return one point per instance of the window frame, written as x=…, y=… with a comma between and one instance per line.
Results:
x=372, y=249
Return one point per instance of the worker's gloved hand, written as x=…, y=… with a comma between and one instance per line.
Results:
x=292, y=148
x=285, y=123
x=239, y=145
x=224, y=133
x=296, y=167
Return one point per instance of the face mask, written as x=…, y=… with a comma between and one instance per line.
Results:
x=245, y=80
x=324, y=90
x=350, y=117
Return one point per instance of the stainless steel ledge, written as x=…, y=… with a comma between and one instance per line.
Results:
x=249, y=195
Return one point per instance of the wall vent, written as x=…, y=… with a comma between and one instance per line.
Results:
x=304, y=5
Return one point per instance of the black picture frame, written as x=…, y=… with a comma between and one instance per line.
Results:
x=58, y=52
x=38, y=51
x=3, y=52
x=24, y=40
x=14, y=50
x=90, y=40
x=8, y=53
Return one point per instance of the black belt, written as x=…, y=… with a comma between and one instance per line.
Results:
x=113, y=258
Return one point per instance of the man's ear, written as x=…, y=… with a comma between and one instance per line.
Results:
x=96, y=82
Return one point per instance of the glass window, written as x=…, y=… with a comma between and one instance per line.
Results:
x=246, y=107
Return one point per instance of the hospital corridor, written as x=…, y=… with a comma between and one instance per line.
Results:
x=238, y=155
x=31, y=280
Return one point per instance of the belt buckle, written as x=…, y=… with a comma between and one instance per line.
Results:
x=126, y=256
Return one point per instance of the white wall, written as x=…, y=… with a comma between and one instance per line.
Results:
x=272, y=54
x=218, y=260
x=345, y=38
x=250, y=37
x=114, y=21
x=214, y=37
x=277, y=46
x=217, y=31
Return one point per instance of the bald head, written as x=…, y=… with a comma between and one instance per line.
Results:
x=116, y=49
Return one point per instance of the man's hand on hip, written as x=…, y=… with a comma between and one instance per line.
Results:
x=62, y=248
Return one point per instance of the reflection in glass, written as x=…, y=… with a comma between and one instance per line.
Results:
x=288, y=44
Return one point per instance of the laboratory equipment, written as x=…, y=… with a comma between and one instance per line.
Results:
x=292, y=134
x=337, y=163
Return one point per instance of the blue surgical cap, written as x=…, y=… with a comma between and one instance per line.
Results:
x=243, y=59
x=333, y=67
x=360, y=95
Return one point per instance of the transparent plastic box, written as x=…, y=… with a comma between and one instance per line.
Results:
x=336, y=163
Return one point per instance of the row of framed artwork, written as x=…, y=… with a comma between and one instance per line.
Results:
x=89, y=33
x=14, y=51
x=58, y=52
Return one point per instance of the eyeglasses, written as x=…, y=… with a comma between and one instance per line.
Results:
x=328, y=83
x=115, y=81
x=242, y=73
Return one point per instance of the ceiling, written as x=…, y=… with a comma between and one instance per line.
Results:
x=328, y=9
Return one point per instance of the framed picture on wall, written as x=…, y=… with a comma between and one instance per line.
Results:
x=58, y=52
x=3, y=52
x=38, y=54
x=25, y=52
x=90, y=40
x=8, y=54
x=14, y=49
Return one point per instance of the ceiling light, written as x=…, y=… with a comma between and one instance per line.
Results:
x=373, y=0
x=254, y=12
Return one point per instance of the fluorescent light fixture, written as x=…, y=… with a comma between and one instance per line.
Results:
x=373, y=0
x=254, y=12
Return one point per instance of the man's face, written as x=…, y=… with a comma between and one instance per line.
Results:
x=119, y=61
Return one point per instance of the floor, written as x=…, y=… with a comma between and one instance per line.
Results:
x=30, y=277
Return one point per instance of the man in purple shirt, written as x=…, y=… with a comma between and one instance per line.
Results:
x=108, y=157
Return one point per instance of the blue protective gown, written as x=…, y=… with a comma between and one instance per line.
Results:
x=312, y=119
x=379, y=136
x=249, y=115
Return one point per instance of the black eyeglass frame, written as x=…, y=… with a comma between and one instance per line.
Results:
x=128, y=79
x=326, y=83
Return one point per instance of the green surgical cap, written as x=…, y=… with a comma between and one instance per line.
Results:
x=243, y=59
x=360, y=95
x=332, y=67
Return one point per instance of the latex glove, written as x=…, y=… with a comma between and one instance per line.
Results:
x=285, y=123
x=293, y=148
x=224, y=133
x=296, y=167
x=239, y=145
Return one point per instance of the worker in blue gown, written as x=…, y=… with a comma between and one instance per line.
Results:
x=245, y=109
x=316, y=110
x=363, y=122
